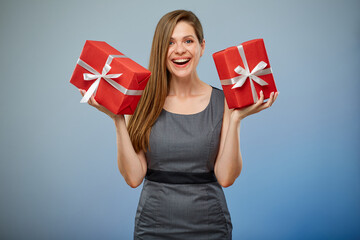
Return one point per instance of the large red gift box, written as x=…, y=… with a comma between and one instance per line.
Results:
x=244, y=71
x=116, y=80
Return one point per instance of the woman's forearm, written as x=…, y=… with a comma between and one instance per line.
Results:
x=129, y=163
x=229, y=164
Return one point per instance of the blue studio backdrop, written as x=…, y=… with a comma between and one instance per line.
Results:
x=58, y=170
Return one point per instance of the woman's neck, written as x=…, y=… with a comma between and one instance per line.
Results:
x=183, y=87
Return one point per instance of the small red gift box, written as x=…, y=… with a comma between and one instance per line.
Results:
x=244, y=71
x=117, y=81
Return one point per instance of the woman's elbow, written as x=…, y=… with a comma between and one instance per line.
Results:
x=228, y=181
x=134, y=183
x=226, y=184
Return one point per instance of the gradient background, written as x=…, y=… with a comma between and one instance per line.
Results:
x=301, y=176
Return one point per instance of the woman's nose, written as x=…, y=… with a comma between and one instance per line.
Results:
x=180, y=49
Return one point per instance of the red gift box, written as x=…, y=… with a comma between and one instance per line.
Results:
x=117, y=81
x=244, y=71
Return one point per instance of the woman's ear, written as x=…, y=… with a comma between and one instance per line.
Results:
x=202, y=47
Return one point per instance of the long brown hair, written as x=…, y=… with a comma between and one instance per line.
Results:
x=157, y=88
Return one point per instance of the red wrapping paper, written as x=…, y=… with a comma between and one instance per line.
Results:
x=227, y=60
x=134, y=77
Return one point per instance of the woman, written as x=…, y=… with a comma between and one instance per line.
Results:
x=182, y=139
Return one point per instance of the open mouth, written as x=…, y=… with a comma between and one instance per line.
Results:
x=181, y=62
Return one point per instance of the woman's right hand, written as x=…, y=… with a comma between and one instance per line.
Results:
x=95, y=104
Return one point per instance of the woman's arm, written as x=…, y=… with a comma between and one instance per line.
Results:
x=132, y=165
x=228, y=163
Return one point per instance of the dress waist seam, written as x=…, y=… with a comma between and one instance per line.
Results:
x=180, y=177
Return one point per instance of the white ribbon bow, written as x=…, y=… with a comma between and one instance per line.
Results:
x=107, y=77
x=259, y=70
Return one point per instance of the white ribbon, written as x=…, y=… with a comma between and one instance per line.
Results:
x=259, y=70
x=107, y=77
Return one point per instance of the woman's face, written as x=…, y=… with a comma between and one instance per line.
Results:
x=184, y=51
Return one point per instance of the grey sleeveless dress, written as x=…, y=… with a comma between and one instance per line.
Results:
x=184, y=143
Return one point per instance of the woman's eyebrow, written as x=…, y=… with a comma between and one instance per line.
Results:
x=184, y=37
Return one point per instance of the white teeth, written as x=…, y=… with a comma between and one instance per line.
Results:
x=181, y=60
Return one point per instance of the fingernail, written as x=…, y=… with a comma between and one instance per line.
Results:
x=261, y=91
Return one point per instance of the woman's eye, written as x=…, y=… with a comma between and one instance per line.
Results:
x=171, y=43
x=189, y=41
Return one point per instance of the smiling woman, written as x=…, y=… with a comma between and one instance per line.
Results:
x=181, y=197
x=183, y=139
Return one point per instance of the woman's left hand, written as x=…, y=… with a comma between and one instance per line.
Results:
x=239, y=114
